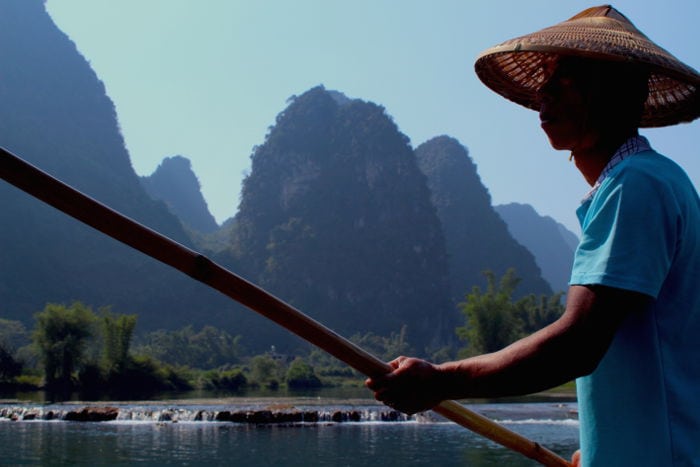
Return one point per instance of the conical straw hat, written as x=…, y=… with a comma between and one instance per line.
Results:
x=517, y=68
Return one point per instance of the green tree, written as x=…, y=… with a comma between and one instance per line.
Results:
x=208, y=348
x=492, y=321
x=301, y=375
x=13, y=335
x=265, y=371
x=538, y=312
x=327, y=365
x=212, y=347
x=145, y=376
x=166, y=346
x=9, y=365
x=385, y=348
x=117, y=332
x=61, y=335
x=230, y=379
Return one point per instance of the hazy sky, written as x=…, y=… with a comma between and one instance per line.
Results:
x=206, y=78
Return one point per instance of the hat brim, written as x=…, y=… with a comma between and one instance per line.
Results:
x=517, y=68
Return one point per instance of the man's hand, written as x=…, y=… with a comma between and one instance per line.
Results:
x=413, y=386
x=576, y=459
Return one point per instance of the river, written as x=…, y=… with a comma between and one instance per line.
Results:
x=343, y=432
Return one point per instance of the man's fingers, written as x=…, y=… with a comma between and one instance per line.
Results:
x=395, y=363
x=576, y=459
x=377, y=383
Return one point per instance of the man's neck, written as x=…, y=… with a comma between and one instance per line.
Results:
x=591, y=159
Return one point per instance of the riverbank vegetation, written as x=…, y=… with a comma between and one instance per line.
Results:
x=96, y=354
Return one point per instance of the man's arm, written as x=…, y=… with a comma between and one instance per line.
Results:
x=570, y=347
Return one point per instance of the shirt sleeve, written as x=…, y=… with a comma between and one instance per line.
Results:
x=628, y=234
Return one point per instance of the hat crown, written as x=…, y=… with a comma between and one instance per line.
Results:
x=604, y=17
x=603, y=10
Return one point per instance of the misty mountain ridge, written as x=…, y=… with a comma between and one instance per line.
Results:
x=477, y=238
x=56, y=115
x=174, y=183
x=337, y=216
x=551, y=243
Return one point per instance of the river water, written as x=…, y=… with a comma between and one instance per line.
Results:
x=187, y=433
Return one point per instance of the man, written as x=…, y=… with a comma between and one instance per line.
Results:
x=631, y=329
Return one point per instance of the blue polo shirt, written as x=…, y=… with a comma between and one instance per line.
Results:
x=641, y=232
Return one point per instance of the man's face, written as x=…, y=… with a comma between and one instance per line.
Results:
x=563, y=110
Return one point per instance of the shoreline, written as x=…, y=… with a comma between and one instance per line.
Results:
x=553, y=396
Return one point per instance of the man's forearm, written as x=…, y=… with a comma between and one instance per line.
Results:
x=532, y=364
x=570, y=347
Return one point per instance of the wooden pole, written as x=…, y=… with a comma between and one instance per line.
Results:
x=102, y=218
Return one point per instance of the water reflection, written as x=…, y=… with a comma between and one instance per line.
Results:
x=430, y=442
x=60, y=443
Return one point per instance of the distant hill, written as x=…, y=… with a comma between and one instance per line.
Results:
x=335, y=217
x=477, y=238
x=174, y=183
x=55, y=113
x=569, y=237
x=552, y=244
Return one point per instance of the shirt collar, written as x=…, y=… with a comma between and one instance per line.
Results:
x=632, y=146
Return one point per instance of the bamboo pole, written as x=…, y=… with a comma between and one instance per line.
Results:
x=102, y=218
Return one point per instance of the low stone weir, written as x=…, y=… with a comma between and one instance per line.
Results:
x=287, y=415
